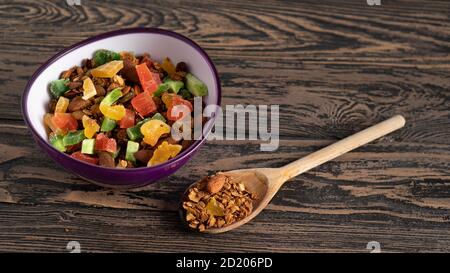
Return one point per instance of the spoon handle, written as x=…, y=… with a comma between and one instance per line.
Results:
x=342, y=146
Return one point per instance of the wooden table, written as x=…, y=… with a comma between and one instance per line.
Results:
x=334, y=68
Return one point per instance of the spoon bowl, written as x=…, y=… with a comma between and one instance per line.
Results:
x=257, y=181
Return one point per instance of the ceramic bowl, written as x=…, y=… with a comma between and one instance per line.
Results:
x=158, y=43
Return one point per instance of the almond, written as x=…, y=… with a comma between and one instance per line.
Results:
x=216, y=182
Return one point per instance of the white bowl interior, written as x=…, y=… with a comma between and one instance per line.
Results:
x=157, y=45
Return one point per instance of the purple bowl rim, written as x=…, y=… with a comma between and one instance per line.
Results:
x=192, y=148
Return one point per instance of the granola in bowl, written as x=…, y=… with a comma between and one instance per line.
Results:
x=216, y=201
x=116, y=109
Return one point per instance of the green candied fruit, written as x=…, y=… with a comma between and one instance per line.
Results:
x=57, y=142
x=108, y=124
x=103, y=56
x=59, y=87
x=161, y=89
x=87, y=146
x=135, y=131
x=175, y=86
x=196, y=86
x=112, y=97
x=73, y=138
x=158, y=116
x=132, y=147
x=185, y=94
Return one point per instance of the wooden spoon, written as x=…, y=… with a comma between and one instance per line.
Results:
x=266, y=182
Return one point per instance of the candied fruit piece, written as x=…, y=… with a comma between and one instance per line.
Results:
x=89, y=90
x=153, y=130
x=115, y=112
x=61, y=105
x=213, y=208
x=164, y=152
x=107, y=70
x=90, y=126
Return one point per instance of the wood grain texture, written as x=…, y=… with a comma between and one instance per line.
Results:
x=334, y=68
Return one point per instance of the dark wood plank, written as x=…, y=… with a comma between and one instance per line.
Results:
x=333, y=67
x=375, y=193
x=324, y=68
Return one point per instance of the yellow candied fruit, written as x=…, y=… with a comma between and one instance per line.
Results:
x=168, y=66
x=212, y=208
x=167, y=98
x=164, y=152
x=90, y=126
x=115, y=112
x=61, y=105
x=88, y=89
x=153, y=130
x=107, y=70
